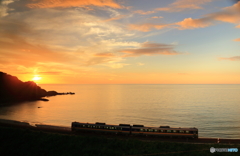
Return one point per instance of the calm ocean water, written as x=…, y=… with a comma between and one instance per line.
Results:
x=213, y=109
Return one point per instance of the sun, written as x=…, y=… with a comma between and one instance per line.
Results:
x=36, y=78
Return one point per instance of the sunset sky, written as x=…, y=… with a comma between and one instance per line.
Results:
x=121, y=41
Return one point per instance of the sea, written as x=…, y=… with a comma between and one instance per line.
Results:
x=213, y=109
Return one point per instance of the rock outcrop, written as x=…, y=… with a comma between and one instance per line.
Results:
x=14, y=90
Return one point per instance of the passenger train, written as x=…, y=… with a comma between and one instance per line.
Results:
x=163, y=131
x=125, y=129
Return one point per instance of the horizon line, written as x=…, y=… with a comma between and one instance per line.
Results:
x=135, y=84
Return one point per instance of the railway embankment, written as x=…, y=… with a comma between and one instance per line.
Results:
x=67, y=130
x=21, y=139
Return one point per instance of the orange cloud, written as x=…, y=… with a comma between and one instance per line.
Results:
x=177, y=6
x=157, y=17
x=229, y=14
x=234, y=58
x=189, y=23
x=149, y=48
x=189, y=4
x=104, y=55
x=144, y=12
x=180, y=5
x=115, y=18
x=73, y=3
x=237, y=39
x=146, y=27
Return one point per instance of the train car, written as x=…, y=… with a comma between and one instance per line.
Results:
x=101, y=127
x=162, y=131
x=165, y=131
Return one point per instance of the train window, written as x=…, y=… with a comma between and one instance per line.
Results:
x=155, y=130
x=181, y=131
x=169, y=131
x=174, y=131
x=141, y=130
x=187, y=131
x=93, y=127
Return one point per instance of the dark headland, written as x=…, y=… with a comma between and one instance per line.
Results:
x=14, y=90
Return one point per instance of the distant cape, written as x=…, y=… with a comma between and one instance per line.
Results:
x=14, y=90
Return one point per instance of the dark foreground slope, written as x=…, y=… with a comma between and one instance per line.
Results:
x=14, y=90
x=17, y=141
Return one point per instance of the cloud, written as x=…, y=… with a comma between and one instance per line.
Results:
x=180, y=5
x=157, y=17
x=4, y=7
x=42, y=73
x=146, y=27
x=143, y=12
x=140, y=64
x=117, y=65
x=115, y=18
x=189, y=23
x=234, y=58
x=229, y=14
x=177, y=6
x=149, y=49
x=49, y=73
x=104, y=55
x=237, y=39
x=116, y=43
x=183, y=74
x=68, y=41
x=73, y=3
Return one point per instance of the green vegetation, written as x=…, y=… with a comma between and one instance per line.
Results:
x=17, y=141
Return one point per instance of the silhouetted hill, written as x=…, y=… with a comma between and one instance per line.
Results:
x=12, y=89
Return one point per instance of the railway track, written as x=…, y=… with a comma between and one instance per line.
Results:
x=67, y=130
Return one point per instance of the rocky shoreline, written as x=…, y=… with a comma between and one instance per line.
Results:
x=14, y=90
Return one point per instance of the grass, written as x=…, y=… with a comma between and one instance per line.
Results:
x=25, y=142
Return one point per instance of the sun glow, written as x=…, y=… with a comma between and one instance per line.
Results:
x=36, y=78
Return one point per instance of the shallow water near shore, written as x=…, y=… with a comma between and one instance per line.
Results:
x=213, y=109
